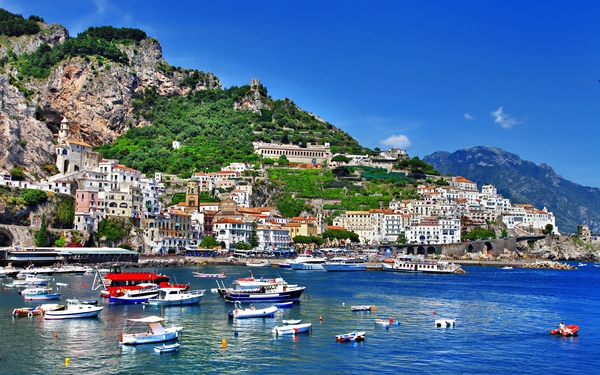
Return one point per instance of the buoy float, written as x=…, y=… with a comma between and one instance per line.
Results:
x=224, y=343
x=434, y=312
x=67, y=362
x=121, y=339
x=55, y=334
x=373, y=308
x=320, y=318
x=84, y=285
x=235, y=333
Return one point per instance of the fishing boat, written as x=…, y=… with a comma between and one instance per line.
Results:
x=292, y=329
x=252, y=312
x=164, y=348
x=262, y=263
x=570, y=330
x=145, y=292
x=418, y=264
x=262, y=292
x=176, y=297
x=39, y=294
x=86, y=301
x=74, y=310
x=30, y=279
x=156, y=333
x=362, y=308
x=307, y=262
x=445, y=322
x=341, y=264
x=352, y=336
x=116, y=282
x=209, y=275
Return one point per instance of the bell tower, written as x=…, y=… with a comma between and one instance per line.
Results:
x=192, y=193
x=64, y=132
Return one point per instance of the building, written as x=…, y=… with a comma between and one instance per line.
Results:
x=312, y=154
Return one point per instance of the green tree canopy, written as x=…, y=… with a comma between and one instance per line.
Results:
x=208, y=243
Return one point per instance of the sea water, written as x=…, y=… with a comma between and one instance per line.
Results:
x=503, y=318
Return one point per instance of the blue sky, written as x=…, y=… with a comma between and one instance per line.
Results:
x=424, y=76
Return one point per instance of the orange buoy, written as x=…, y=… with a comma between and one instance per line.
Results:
x=224, y=343
x=320, y=318
x=84, y=285
x=391, y=320
x=434, y=312
x=55, y=334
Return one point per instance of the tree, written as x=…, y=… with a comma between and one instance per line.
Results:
x=253, y=238
x=341, y=158
x=402, y=238
x=548, y=229
x=283, y=161
x=41, y=237
x=208, y=243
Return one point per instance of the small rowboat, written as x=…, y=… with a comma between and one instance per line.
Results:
x=388, y=322
x=570, y=330
x=352, y=336
x=292, y=329
x=167, y=348
x=28, y=311
x=291, y=321
x=284, y=304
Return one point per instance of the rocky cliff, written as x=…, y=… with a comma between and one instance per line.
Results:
x=93, y=93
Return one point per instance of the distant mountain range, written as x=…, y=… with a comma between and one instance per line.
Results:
x=523, y=181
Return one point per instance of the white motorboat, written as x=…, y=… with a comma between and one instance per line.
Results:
x=156, y=333
x=352, y=336
x=291, y=321
x=74, y=310
x=176, y=297
x=292, y=329
x=445, y=322
x=339, y=264
x=307, y=262
x=144, y=292
x=252, y=312
x=31, y=279
x=418, y=264
x=263, y=263
x=36, y=294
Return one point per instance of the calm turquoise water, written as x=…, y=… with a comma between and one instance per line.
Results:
x=503, y=318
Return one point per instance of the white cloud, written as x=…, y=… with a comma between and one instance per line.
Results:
x=469, y=117
x=399, y=141
x=101, y=5
x=503, y=119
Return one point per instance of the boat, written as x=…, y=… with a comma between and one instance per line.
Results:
x=145, y=292
x=156, y=333
x=252, y=312
x=418, y=264
x=292, y=329
x=116, y=282
x=51, y=307
x=362, y=308
x=596, y=264
x=30, y=279
x=445, y=322
x=507, y=268
x=291, y=321
x=73, y=310
x=352, y=336
x=581, y=265
x=387, y=322
x=274, y=290
x=307, y=262
x=570, y=330
x=37, y=294
x=209, y=275
x=264, y=263
x=339, y=264
x=176, y=297
x=33, y=270
x=2, y=272
x=284, y=305
x=28, y=311
x=167, y=348
x=86, y=301
x=285, y=264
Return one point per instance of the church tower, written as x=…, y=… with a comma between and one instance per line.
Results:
x=64, y=132
x=192, y=193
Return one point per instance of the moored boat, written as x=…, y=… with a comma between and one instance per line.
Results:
x=176, y=297
x=362, y=308
x=283, y=305
x=145, y=292
x=30, y=279
x=116, y=282
x=74, y=310
x=164, y=348
x=263, y=263
x=252, y=312
x=209, y=275
x=418, y=264
x=292, y=329
x=352, y=336
x=28, y=311
x=156, y=333
x=340, y=264
x=445, y=322
x=307, y=262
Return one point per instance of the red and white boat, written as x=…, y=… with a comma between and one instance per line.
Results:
x=570, y=330
x=203, y=275
x=352, y=336
x=116, y=282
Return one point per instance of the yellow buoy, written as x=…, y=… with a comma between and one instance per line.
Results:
x=224, y=343
x=66, y=361
x=373, y=308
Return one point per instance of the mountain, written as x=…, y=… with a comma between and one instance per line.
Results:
x=113, y=84
x=524, y=182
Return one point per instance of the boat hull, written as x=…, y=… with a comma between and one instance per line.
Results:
x=292, y=329
x=181, y=302
x=68, y=314
x=306, y=266
x=167, y=348
x=169, y=334
x=345, y=267
x=42, y=297
x=253, y=313
x=243, y=296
